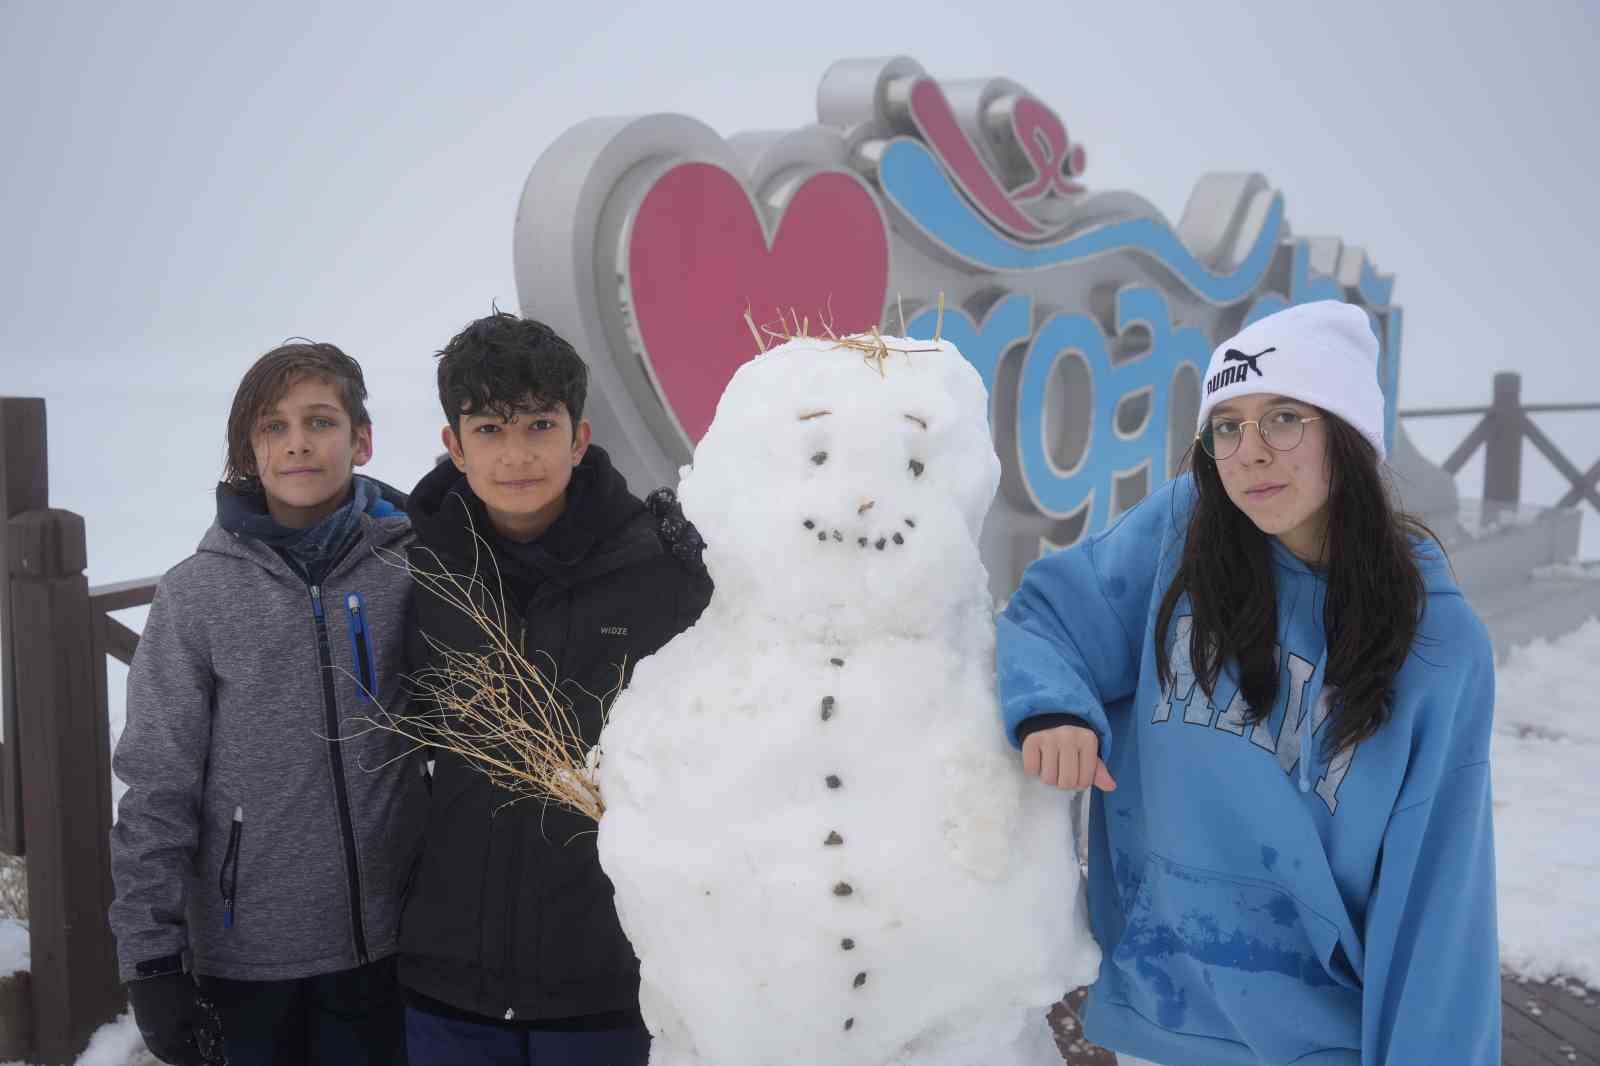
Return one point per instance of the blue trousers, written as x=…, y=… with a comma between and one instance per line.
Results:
x=349, y=1018
x=432, y=1040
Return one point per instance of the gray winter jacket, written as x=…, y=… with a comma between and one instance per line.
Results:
x=250, y=835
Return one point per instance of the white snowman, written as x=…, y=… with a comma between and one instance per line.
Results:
x=822, y=847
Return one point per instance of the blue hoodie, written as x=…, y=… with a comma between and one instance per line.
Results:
x=1255, y=900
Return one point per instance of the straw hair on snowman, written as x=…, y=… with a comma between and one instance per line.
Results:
x=1323, y=353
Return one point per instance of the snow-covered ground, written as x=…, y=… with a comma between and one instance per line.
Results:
x=13, y=946
x=115, y=1044
x=1547, y=828
x=1547, y=808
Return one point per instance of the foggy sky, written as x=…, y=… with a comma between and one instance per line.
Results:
x=187, y=186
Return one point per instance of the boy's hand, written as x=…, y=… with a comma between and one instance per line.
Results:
x=1067, y=757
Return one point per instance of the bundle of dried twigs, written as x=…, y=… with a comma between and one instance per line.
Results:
x=872, y=345
x=494, y=707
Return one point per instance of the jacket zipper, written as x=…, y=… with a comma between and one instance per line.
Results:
x=341, y=795
x=228, y=878
x=361, y=648
x=508, y=952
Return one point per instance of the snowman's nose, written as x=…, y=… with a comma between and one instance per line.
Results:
x=866, y=505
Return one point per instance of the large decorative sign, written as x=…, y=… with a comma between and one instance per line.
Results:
x=915, y=205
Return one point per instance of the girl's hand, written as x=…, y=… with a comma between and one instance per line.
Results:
x=1067, y=757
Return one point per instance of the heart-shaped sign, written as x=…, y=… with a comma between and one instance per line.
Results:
x=698, y=258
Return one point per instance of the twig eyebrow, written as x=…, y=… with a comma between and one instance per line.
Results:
x=919, y=421
x=814, y=414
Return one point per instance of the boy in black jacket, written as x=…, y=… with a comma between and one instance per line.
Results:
x=511, y=951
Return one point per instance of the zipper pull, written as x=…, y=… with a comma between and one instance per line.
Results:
x=233, y=848
x=316, y=601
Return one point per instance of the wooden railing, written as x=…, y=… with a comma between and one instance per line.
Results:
x=55, y=757
x=1500, y=431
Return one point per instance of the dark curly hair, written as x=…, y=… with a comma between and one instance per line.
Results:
x=501, y=363
x=273, y=375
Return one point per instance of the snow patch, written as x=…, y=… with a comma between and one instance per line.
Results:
x=1547, y=819
x=14, y=952
x=116, y=1043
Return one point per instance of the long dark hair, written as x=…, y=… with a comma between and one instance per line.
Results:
x=1373, y=604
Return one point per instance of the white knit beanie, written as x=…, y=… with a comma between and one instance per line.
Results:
x=1323, y=353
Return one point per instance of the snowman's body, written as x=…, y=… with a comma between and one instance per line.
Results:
x=822, y=846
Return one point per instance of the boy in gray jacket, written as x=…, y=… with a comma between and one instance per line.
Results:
x=265, y=839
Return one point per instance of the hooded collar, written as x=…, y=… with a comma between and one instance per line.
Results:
x=591, y=535
x=244, y=527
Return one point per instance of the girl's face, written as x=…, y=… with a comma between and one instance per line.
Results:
x=1285, y=493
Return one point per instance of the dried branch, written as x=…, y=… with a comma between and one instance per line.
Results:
x=872, y=345
x=494, y=707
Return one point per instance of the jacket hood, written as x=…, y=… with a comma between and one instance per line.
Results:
x=598, y=530
x=384, y=524
x=1437, y=577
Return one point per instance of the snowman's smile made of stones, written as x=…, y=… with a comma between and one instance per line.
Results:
x=869, y=522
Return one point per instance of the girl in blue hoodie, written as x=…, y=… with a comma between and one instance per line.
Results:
x=1283, y=702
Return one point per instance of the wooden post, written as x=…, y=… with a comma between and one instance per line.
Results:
x=22, y=488
x=67, y=779
x=1502, y=452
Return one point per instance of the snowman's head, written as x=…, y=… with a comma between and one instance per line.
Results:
x=837, y=490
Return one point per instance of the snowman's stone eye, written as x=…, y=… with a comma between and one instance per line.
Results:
x=820, y=458
x=917, y=468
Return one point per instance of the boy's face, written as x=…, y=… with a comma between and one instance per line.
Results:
x=519, y=467
x=305, y=450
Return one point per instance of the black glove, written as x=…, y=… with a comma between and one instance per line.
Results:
x=177, y=1023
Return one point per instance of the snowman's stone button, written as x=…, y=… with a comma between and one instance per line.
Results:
x=861, y=979
x=834, y=839
x=837, y=662
x=833, y=781
x=843, y=889
x=827, y=708
x=849, y=1023
x=809, y=524
x=847, y=944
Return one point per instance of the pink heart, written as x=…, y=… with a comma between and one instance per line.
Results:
x=698, y=258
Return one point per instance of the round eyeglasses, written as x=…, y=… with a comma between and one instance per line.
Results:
x=1282, y=429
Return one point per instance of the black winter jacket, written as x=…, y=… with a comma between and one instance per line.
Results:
x=509, y=916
